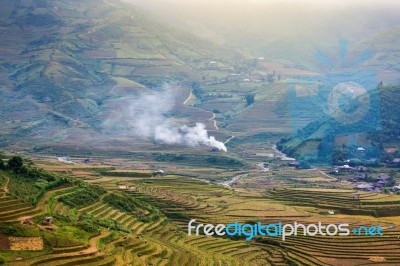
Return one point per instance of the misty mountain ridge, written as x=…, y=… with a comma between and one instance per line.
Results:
x=66, y=65
x=289, y=32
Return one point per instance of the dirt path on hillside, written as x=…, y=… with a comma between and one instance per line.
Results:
x=231, y=138
x=215, y=125
x=229, y=182
x=188, y=98
x=93, y=242
x=214, y=121
x=325, y=174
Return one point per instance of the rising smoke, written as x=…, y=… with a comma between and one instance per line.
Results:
x=148, y=116
x=190, y=136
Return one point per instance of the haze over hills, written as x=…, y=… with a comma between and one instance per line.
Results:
x=67, y=66
x=291, y=32
x=385, y=48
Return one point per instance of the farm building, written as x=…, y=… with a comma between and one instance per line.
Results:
x=391, y=150
x=383, y=177
x=360, y=149
x=47, y=220
x=356, y=196
x=396, y=188
x=365, y=187
x=159, y=172
x=344, y=168
x=294, y=164
x=395, y=162
x=381, y=183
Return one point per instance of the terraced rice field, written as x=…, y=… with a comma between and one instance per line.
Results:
x=12, y=208
x=79, y=255
x=352, y=250
x=164, y=241
x=379, y=205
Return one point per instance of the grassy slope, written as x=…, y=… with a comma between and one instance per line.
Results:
x=66, y=63
x=382, y=115
x=76, y=63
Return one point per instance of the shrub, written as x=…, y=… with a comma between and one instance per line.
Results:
x=87, y=223
x=304, y=165
x=291, y=262
x=177, y=216
x=121, y=202
x=30, y=184
x=91, y=224
x=250, y=98
x=16, y=229
x=105, y=240
x=152, y=218
x=15, y=163
x=82, y=195
x=268, y=241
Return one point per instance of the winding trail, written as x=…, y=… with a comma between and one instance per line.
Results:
x=231, y=138
x=229, y=182
x=214, y=121
x=188, y=98
x=215, y=124
x=280, y=154
x=213, y=114
x=325, y=174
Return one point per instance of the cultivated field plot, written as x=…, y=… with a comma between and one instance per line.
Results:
x=147, y=216
x=343, y=201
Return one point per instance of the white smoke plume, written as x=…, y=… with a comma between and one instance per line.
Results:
x=190, y=136
x=148, y=116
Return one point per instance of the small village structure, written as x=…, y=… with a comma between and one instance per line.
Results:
x=159, y=172
x=395, y=162
x=294, y=164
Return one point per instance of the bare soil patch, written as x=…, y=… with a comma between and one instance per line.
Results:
x=26, y=243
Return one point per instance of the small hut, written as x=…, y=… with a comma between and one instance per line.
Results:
x=159, y=172
x=47, y=220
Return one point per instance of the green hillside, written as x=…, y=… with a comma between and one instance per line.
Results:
x=65, y=64
x=70, y=71
x=322, y=141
